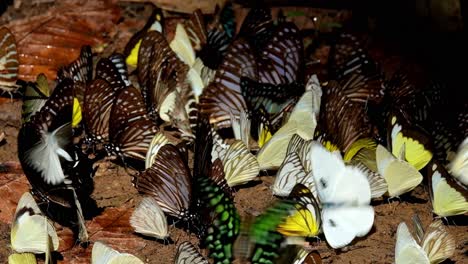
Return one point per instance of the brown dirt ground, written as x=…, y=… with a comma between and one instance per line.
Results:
x=115, y=193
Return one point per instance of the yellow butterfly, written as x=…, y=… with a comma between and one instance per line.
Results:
x=410, y=142
x=302, y=121
x=23, y=258
x=401, y=177
x=447, y=196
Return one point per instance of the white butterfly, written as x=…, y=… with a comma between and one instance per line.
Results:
x=148, y=219
x=434, y=247
x=345, y=194
x=31, y=231
x=103, y=254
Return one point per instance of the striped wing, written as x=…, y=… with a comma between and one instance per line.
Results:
x=98, y=101
x=223, y=96
x=131, y=130
x=8, y=61
x=168, y=181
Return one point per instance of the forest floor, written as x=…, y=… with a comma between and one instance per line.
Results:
x=117, y=197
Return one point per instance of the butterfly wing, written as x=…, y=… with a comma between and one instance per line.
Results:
x=102, y=253
x=458, y=166
x=240, y=166
x=22, y=258
x=406, y=249
x=305, y=220
x=289, y=174
x=168, y=181
x=413, y=143
x=8, y=61
x=342, y=224
x=223, y=96
x=401, y=177
x=438, y=243
x=448, y=198
x=148, y=219
x=188, y=254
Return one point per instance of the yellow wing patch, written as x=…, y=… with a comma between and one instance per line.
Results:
x=76, y=113
x=301, y=223
x=132, y=58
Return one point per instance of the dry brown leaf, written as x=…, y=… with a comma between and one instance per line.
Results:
x=54, y=39
x=112, y=227
x=184, y=6
x=12, y=186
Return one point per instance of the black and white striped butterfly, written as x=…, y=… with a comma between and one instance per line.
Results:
x=130, y=128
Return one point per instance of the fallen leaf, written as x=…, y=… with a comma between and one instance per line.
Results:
x=185, y=6
x=54, y=39
x=112, y=227
x=12, y=186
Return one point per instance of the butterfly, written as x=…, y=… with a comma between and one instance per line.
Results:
x=103, y=254
x=240, y=166
x=414, y=144
x=344, y=115
x=168, y=181
x=268, y=103
x=267, y=240
x=57, y=174
x=345, y=194
x=401, y=177
x=22, y=258
x=305, y=220
x=281, y=60
x=31, y=231
x=34, y=98
x=188, y=254
x=182, y=46
x=220, y=221
x=302, y=121
x=295, y=168
x=80, y=71
x=162, y=76
x=223, y=98
x=257, y=27
x=448, y=197
x=154, y=23
x=98, y=100
x=221, y=218
x=8, y=61
x=458, y=166
x=131, y=130
x=148, y=219
x=432, y=246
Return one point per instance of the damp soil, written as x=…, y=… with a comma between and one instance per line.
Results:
x=116, y=196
